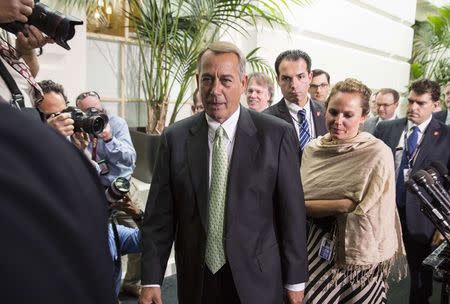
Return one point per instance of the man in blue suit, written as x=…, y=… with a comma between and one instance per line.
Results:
x=416, y=141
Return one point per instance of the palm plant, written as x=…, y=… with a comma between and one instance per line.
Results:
x=430, y=58
x=172, y=33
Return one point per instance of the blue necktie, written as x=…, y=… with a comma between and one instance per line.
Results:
x=407, y=155
x=303, y=129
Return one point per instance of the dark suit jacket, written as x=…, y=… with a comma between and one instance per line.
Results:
x=441, y=115
x=280, y=110
x=53, y=219
x=370, y=124
x=265, y=215
x=435, y=146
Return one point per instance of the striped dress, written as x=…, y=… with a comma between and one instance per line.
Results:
x=321, y=289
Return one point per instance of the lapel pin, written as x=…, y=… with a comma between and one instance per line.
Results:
x=318, y=113
x=436, y=133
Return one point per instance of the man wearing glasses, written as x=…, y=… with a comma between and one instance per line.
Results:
x=386, y=102
x=320, y=86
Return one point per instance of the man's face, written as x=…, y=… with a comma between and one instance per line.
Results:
x=294, y=81
x=220, y=84
x=386, y=105
x=420, y=107
x=90, y=102
x=319, y=88
x=447, y=95
x=52, y=103
x=258, y=96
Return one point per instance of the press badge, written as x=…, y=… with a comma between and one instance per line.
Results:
x=406, y=174
x=326, y=248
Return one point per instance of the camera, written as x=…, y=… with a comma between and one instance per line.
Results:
x=117, y=190
x=93, y=122
x=53, y=23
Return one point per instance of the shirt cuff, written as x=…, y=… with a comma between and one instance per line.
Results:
x=295, y=287
x=152, y=285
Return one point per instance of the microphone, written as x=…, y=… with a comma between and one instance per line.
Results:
x=425, y=180
x=437, y=182
x=443, y=171
x=433, y=214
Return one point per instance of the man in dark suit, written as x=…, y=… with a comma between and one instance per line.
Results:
x=444, y=115
x=53, y=219
x=386, y=102
x=416, y=141
x=239, y=229
x=293, y=68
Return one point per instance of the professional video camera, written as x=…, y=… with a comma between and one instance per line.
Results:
x=93, y=122
x=53, y=23
x=118, y=189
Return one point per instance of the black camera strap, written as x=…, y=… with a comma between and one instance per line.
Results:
x=17, y=100
x=118, y=261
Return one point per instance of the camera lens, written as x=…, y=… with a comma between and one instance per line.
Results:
x=117, y=190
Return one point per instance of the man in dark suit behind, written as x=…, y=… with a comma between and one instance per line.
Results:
x=53, y=219
x=239, y=230
x=293, y=68
x=416, y=141
x=444, y=115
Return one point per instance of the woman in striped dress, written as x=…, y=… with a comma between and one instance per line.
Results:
x=349, y=184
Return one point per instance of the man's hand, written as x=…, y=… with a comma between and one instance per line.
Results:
x=80, y=140
x=127, y=206
x=150, y=295
x=63, y=123
x=437, y=239
x=25, y=45
x=106, y=134
x=15, y=10
x=294, y=297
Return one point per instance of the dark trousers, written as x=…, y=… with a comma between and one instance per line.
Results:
x=421, y=287
x=219, y=288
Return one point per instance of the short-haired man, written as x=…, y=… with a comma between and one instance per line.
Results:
x=197, y=105
x=386, y=102
x=444, y=115
x=320, y=85
x=259, y=91
x=53, y=102
x=416, y=141
x=294, y=76
x=227, y=190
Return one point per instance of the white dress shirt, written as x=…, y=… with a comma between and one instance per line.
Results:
x=293, y=111
x=401, y=143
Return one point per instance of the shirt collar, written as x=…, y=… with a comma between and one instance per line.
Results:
x=294, y=108
x=228, y=125
x=422, y=127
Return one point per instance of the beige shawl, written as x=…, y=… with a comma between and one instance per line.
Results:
x=361, y=169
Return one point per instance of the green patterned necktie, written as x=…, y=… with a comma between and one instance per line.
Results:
x=215, y=252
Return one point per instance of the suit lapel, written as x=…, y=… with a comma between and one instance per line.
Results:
x=246, y=146
x=429, y=140
x=284, y=112
x=395, y=133
x=198, y=159
x=318, y=118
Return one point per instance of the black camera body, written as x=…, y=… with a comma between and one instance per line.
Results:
x=53, y=23
x=93, y=122
x=118, y=189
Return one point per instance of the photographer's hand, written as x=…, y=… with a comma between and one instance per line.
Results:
x=127, y=206
x=25, y=46
x=106, y=135
x=63, y=123
x=15, y=10
x=81, y=141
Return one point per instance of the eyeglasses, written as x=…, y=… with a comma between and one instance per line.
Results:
x=316, y=86
x=386, y=105
x=86, y=94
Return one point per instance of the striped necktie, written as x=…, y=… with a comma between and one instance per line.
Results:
x=303, y=129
